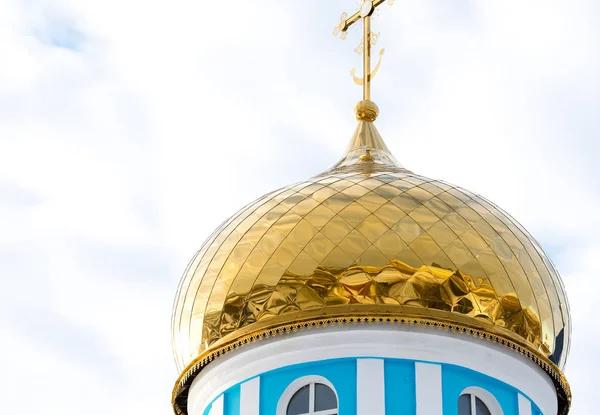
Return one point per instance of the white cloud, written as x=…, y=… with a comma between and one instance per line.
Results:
x=129, y=130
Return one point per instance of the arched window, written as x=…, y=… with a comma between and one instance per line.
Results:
x=310, y=395
x=478, y=401
x=471, y=405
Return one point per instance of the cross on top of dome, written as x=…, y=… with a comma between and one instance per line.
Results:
x=365, y=12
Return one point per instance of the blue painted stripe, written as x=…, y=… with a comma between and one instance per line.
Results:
x=400, y=389
x=232, y=401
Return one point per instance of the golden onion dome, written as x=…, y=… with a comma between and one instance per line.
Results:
x=369, y=240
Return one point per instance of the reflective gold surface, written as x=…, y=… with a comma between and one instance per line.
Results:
x=370, y=237
x=371, y=241
x=397, y=284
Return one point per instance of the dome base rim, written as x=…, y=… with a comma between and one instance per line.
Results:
x=185, y=379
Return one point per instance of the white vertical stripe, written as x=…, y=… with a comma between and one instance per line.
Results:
x=217, y=406
x=370, y=387
x=429, y=388
x=250, y=397
x=524, y=405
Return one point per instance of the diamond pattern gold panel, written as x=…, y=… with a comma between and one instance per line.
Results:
x=370, y=237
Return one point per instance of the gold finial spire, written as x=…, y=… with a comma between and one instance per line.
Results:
x=369, y=38
x=366, y=146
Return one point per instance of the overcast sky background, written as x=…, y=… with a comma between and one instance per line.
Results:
x=130, y=129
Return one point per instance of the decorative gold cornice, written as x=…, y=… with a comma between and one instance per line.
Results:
x=179, y=395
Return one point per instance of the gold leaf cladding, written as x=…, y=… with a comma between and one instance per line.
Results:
x=371, y=236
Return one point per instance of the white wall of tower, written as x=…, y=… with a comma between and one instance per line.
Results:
x=431, y=353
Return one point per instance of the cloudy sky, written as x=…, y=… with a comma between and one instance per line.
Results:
x=130, y=129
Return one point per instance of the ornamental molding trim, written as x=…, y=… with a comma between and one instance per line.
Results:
x=183, y=383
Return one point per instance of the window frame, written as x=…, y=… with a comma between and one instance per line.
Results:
x=484, y=396
x=299, y=383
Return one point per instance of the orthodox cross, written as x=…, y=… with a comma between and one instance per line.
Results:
x=365, y=12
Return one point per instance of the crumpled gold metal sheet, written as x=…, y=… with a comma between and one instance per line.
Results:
x=349, y=238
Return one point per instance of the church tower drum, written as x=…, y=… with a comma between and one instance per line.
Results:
x=370, y=290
